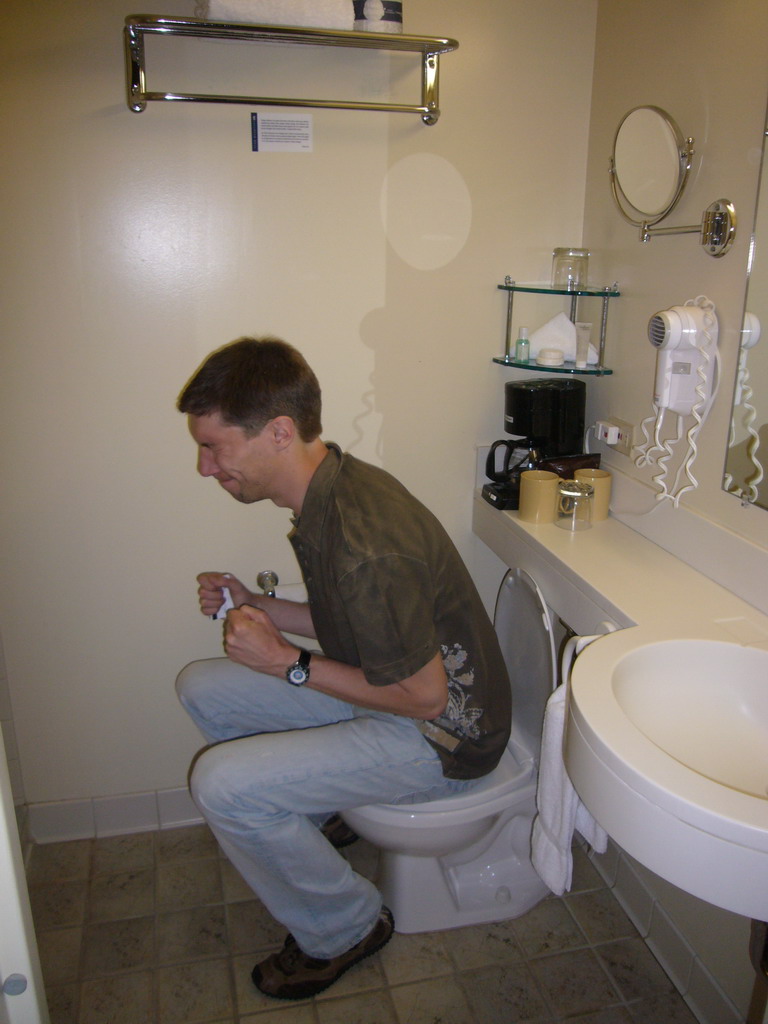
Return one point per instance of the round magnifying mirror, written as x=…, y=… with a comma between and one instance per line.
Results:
x=650, y=165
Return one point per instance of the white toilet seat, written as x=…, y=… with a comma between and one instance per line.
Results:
x=491, y=795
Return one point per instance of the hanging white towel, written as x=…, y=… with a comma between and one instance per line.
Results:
x=333, y=14
x=559, y=333
x=561, y=812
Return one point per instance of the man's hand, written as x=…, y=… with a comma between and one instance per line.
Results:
x=210, y=591
x=252, y=639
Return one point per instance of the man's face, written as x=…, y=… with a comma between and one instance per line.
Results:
x=244, y=466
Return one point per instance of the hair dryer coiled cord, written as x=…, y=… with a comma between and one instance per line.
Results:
x=657, y=452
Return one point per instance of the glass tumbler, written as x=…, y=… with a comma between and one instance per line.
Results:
x=574, y=505
x=570, y=268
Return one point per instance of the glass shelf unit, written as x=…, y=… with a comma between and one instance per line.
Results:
x=592, y=369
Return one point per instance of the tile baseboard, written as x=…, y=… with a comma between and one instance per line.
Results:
x=98, y=817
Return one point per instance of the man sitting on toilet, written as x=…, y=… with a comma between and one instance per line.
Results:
x=409, y=701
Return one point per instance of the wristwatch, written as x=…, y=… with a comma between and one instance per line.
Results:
x=298, y=672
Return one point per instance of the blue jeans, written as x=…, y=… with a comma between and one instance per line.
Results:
x=282, y=759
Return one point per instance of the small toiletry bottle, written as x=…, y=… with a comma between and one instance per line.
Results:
x=583, y=333
x=522, y=346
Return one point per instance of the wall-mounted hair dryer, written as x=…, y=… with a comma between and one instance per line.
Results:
x=684, y=364
x=685, y=383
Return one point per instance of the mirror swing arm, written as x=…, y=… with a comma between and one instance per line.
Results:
x=717, y=228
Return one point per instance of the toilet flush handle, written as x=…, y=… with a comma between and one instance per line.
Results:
x=268, y=581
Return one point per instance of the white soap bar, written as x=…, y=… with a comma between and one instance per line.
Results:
x=550, y=357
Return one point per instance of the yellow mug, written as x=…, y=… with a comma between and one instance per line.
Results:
x=538, y=496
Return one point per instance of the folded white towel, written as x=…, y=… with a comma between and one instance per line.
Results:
x=559, y=332
x=560, y=809
x=378, y=15
x=333, y=14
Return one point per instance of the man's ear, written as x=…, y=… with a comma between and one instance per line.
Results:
x=283, y=432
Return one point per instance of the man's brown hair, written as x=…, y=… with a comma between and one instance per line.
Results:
x=251, y=381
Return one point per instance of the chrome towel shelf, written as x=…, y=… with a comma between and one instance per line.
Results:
x=137, y=26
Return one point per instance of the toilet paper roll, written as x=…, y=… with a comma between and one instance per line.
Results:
x=600, y=482
x=538, y=496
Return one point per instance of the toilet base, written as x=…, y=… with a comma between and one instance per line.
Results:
x=436, y=893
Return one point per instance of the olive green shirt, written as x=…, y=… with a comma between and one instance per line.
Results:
x=388, y=591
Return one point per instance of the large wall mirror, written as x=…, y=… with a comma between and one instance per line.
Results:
x=746, y=467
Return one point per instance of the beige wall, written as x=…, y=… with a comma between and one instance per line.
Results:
x=651, y=51
x=139, y=242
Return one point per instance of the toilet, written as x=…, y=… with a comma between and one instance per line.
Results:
x=465, y=859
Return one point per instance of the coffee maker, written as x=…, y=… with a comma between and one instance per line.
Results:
x=546, y=417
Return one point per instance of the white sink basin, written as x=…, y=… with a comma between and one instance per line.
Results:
x=703, y=702
x=667, y=745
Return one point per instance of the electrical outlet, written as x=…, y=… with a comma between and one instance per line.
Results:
x=616, y=433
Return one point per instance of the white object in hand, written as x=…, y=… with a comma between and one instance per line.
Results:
x=225, y=606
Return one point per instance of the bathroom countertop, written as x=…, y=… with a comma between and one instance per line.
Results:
x=612, y=573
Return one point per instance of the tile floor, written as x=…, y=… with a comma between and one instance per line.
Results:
x=157, y=928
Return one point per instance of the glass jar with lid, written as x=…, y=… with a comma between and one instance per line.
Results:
x=570, y=268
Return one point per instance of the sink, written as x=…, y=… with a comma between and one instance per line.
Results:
x=667, y=745
x=703, y=702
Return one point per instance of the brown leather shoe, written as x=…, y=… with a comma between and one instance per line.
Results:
x=291, y=974
x=338, y=833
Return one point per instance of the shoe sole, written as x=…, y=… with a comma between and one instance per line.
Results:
x=315, y=989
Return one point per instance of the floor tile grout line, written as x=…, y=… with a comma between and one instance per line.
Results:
x=155, y=930
x=230, y=953
x=521, y=957
x=593, y=946
x=542, y=995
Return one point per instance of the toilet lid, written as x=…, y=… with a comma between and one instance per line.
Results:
x=524, y=628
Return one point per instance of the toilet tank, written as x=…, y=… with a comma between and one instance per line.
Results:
x=524, y=627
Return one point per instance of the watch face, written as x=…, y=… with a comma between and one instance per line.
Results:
x=297, y=675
